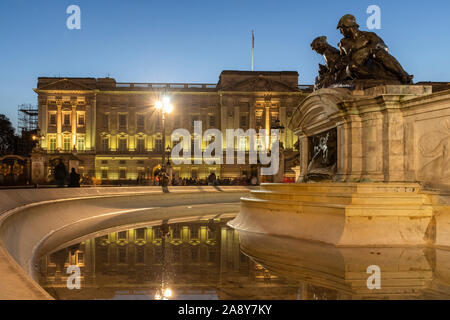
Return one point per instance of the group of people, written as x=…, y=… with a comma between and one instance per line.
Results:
x=211, y=180
x=61, y=176
x=74, y=179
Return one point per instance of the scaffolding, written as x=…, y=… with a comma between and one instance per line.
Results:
x=27, y=128
x=27, y=118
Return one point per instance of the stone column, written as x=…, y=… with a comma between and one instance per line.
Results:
x=237, y=113
x=267, y=105
x=42, y=121
x=74, y=124
x=341, y=164
x=93, y=122
x=354, y=153
x=223, y=124
x=283, y=123
x=304, y=157
x=59, y=125
x=251, y=120
x=393, y=146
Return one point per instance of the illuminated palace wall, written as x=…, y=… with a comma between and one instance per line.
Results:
x=111, y=130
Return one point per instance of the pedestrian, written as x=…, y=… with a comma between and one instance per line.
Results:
x=60, y=174
x=74, y=179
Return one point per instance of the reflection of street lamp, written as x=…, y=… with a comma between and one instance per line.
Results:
x=164, y=292
x=165, y=107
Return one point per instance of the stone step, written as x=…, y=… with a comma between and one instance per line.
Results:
x=410, y=210
x=327, y=188
x=344, y=198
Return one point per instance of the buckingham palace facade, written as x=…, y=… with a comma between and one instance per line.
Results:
x=111, y=131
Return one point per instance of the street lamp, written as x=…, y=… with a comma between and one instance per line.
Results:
x=164, y=107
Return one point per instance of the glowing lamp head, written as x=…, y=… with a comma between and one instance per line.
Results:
x=168, y=108
x=158, y=105
x=166, y=100
x=168, y=293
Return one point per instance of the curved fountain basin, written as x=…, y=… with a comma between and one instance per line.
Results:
x=35, y=221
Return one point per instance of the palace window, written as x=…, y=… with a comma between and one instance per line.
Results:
x=122, y=121
x=140, y=233
x=52, y=144
x=140, y=255
x=67, y=119
x=258, y=121
x=158, y=145
x=80, y=258
x=243, y=122
x=212, y=121
x=80, y=143
x=140, y=121
x=273, y=118
x=122, y=173
x=104, y=173
x=105, y=121
x=105, y=144
x=243, y=143
x=122, y=255
x=194, y=253
x=193, y=119
x=140, y=146
x=66, y=144
x=122, y=144
x=81, y=119
x=176, y=254
x=104, y=259
x=52, y=119
x=122, y=235
x=212, y=255
x=176, y=232
x=194, y=233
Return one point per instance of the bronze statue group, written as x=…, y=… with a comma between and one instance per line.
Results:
x=362, y=56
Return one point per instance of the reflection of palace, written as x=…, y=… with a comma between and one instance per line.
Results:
x=110, y=130
x=202, y=260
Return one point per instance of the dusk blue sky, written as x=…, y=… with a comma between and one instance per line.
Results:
x=193, y=41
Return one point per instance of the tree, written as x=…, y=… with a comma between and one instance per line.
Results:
x=7, y=137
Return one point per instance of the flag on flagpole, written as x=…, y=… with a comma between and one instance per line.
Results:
x=253, y=40
x=253, y=46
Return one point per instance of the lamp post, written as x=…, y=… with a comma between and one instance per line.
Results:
x=279, y=176
x=164, y=107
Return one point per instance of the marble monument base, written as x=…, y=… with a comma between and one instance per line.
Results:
x=341, y=214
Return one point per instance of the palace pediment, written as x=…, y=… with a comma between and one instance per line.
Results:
x=259, y=83
x=65, y=84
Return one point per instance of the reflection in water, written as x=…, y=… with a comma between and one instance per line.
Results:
x=203, y=260
x=341, y=273
x=194, y=260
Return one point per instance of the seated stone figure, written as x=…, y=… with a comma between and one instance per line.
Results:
x=334, y=70
x=367, y=54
